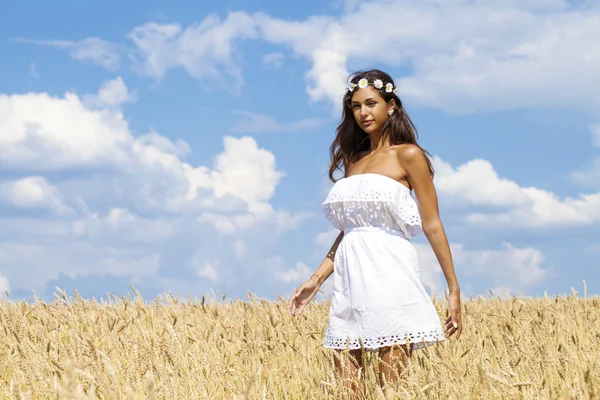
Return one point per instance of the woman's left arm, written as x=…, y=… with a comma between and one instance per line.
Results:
x=414, y=163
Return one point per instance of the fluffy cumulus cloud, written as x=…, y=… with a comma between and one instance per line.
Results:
x=111, y=94
x=477, y=184
x=299, y=273
x=32, y=192
x=86, y=196
x=35, y=134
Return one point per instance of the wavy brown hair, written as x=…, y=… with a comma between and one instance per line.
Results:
x=351, y=139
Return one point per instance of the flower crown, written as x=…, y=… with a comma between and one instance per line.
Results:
x=377, y=84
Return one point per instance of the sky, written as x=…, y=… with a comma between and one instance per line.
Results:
x=183, y=148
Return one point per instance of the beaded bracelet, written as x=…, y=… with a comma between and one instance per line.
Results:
x=318, y=278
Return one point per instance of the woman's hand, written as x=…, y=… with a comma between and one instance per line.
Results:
x=453, y=323
x=303, y=295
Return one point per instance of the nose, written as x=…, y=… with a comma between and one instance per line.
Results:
x=363, y=111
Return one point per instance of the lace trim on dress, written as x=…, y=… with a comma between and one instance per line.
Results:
x=420, y=339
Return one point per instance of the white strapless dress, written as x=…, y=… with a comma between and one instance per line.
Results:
x=377, y=297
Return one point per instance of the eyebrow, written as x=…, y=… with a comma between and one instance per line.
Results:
x=370, y=98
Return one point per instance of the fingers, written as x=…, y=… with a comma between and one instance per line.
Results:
x=453, y=325
x=452, y=321
x=293, y=302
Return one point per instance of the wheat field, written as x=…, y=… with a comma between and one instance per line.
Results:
x=219, y=348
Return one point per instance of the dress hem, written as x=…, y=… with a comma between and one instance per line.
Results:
x=333, y=342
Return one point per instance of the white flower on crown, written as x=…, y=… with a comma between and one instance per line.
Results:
x=363, y=83
x=378, y=83
x=351, y=86
x=388, y=87
x=396, y=90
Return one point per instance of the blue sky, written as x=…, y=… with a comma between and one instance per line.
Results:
x=185, y=147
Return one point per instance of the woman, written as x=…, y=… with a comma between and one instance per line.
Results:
x=378, y=301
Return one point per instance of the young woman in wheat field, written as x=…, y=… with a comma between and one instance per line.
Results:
x=378, y=301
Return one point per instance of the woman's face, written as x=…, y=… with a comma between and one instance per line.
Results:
x=370, y=109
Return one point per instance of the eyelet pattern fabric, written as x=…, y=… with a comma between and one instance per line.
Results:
x=372, y=200
x=377, y=298
x=419, y=340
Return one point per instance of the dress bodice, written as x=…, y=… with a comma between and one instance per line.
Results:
x=371, y=199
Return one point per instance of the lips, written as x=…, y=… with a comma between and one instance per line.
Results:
x=367, y=123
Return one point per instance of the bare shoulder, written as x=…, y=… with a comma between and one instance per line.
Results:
x=409, y=153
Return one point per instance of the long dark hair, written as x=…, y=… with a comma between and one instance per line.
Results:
x=351, y=139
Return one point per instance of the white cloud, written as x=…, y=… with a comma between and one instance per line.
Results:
x=40, y=132
x=247, y=172
x=30, y=265
x=476, y=183
x=325, y=239
x=92, y=49
x=121, y=222
x=319, y=39
x=256, y=123
x=33, y=192
x=280, y=271
x=230, y=224
x=112, y=93
x=273, y=60
x=204, y=50
x=134, y=202
x=180, y=148
x=511, y=267
x=491, y=55
x=512, y=264
x=298, y=274
x=208, y=270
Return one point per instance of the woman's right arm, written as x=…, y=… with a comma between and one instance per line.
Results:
x=326, y=267
x=308, y=290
